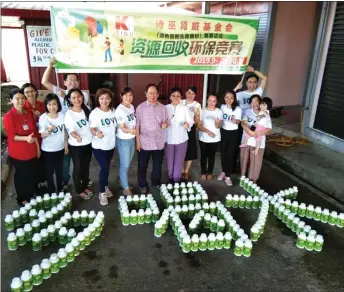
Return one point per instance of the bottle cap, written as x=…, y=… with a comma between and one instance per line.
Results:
x=27, y=228
x=239, y=243
x=20, y=232
x=84, y=213
x=11, y=236
x=45, y=264
x=26, y=275
x=248, y=243
x=16, y=283
x=36, y=269
x=15, y=213
x=69, y=247
x=62, y=253
x=53, y=258
x=8, y=218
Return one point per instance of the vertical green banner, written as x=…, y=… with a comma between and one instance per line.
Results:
x=109, y=41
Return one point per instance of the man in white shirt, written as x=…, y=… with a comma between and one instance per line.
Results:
x=71, y=80
x=244, y=97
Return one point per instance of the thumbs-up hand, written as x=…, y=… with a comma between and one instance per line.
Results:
x=78, y=138
x=31, y=139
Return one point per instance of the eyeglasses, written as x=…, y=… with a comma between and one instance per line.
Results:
x=174, y=95
x=71, y=80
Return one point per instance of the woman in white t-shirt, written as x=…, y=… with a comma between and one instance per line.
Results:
x=79, y=141
x=54, y=141
x=179, y=123
x=103, y=128
x=126, y=132
x=209, y=136
x=194, y=108
x=229, y=135
x=248, y=158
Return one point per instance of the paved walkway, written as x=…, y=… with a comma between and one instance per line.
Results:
x=132, y=259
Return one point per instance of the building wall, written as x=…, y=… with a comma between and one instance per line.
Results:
x=293, y=40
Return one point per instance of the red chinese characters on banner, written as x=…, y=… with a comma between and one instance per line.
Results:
x=229, y=27
x=218, y=27
x=183, y=25
x=195, y=25
x=160, y=24
x=207, y=26
x=172, y=24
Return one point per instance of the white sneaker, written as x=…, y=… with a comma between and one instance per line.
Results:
x=221, y=176
x=228, y=181
x=108, y=193
x=103, y=199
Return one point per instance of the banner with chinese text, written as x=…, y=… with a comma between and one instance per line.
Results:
x=109, y=41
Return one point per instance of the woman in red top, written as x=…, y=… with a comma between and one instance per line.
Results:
x=23, y=146
x=37, y=109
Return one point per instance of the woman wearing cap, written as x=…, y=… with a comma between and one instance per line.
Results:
x=23, y=146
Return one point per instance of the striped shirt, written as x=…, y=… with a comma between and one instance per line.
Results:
x=149, y=119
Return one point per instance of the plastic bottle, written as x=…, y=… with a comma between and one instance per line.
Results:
x=211, y=241
x=44, y=237
x=70, y=252
x=227, y=240
x=26, y=278
x=16, y=218
x=46, y=269
x=301, y=240
x=219, y=240
x=247, y=250
x=76, y=219
x=203, y=242
x=12, y=241
x=194, y=242
x=333, y=218
x=23, y=215
x=62, y=255
x=9, y=223
x=238, y=249
x=21, y=236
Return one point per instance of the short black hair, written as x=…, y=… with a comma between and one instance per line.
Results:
x=26, y=85
x=192, y=88
x=121, y=41
x=252, y=75
x=126, y=90
x=268, y=101
x=176, y=89
x=152, y=85
x=49, y=98
x=107, y=38
x=235, y=102
x=255, y=96
x=65, y=76
x=14, y=91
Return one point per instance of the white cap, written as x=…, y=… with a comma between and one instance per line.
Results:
x=36, y=269
x=248, y=243
x=45, y=264
x=11, y=236
x=239, y=243
x=26, y=275
x=62, y=253
x=69, y=247
x=16, y=283
x=53, y=258
x=20, y=232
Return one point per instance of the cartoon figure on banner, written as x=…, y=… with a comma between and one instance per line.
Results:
x=107, y=50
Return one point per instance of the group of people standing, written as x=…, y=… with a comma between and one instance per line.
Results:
x=44, y=137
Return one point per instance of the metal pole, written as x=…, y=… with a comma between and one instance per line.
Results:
x=205, y=10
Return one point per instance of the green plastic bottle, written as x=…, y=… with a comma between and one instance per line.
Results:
x=26, y=278
x=62, y=255
x=55, y=264
x=37, y=277
x=21, y=236
x=12, y=241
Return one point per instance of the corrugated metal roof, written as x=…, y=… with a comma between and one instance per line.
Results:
x=84, y=4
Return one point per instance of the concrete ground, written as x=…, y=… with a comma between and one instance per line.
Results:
x=132, y=259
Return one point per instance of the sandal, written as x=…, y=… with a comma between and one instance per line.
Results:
x=88, y=192
x=84, y=196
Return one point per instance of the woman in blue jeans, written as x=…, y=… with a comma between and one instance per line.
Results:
x=103, y=127
x=125, y=116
